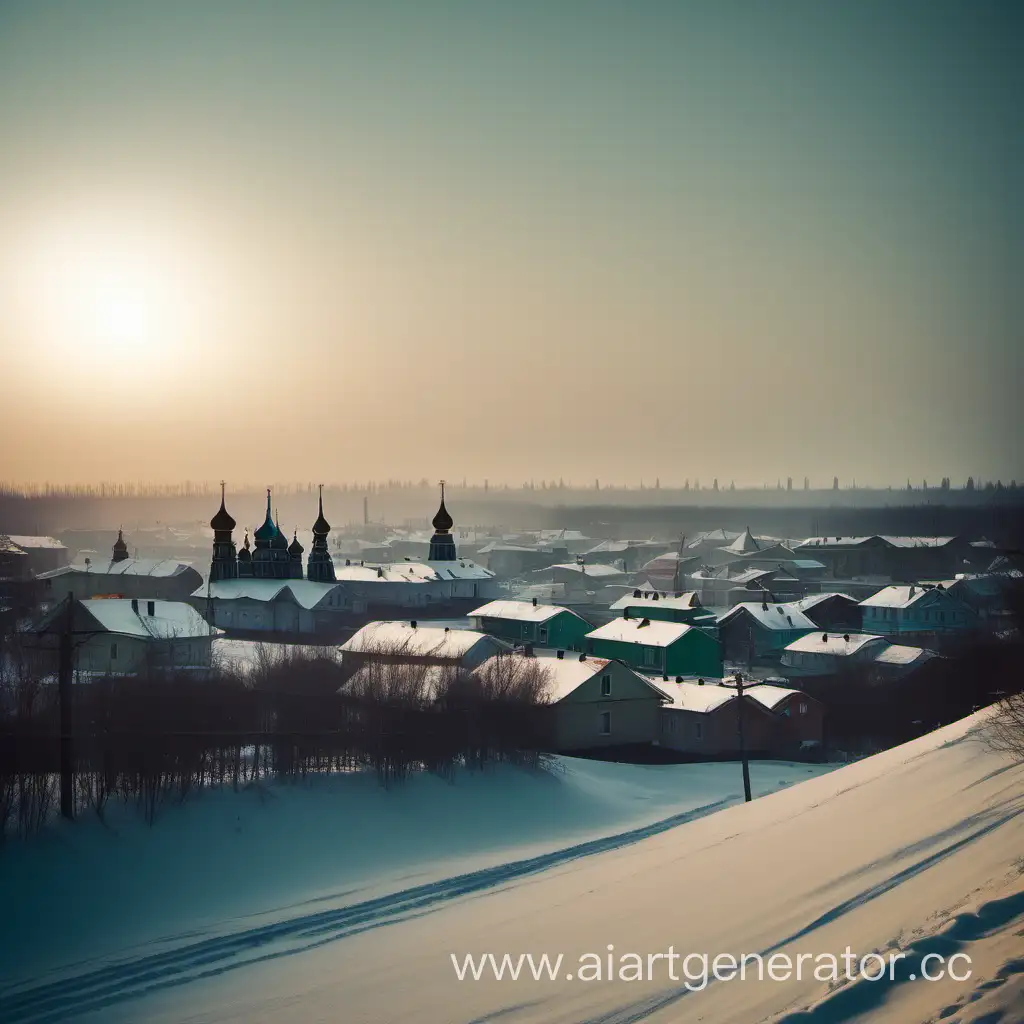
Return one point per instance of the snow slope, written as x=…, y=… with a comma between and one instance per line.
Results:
x=81, y=897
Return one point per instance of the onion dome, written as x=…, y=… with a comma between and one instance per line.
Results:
x=222, y=521
x=245, y=555
x=120, y=547
x=279, y=540
x=295, y=549
x=265, y=533
x=442, y=520
x=321, y=526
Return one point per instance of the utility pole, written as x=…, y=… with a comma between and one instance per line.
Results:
x=739, y=730
x=67, y=768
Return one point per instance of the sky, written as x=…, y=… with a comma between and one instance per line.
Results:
x=349, y=241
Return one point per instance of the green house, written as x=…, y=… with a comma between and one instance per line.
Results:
x=666, y=607
x=650, y=645
x=527, y=622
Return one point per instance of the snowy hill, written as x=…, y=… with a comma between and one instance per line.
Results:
x=917, y=850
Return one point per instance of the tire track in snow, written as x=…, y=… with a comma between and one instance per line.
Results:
x=52, y=1002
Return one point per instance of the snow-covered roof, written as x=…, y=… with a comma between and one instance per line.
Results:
x=587, y=569
x=563, y=675
x=656, y=598
x=160, y=568
x=617, y=546
x=769, y=695
x=692, y=696
x=918, y=542
x=524, y=611
x=898, y=654
x=413, y=572
x=392, y=637
x=771, y=616
x=746, y=543
x=8, y=547
x=898, y=596
x=813, y=600
x=836, y=542
x=30, y=543
x=306, y=593
x=171, y=619
x=651, y=632
x=835, y=644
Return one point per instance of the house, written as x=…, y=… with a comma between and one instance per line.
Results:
x=400, y=642
x=915, y=558
x=133, y=637
x=507, y=559
x=651, y=645
x=594, y=702
x=757, y=629
x=668, y=571
x=630, y=554
x=44, y=553
x=664, y=606
x=822, y=654
x=915, y=609
x=251, y=605
x=161, y=578
x=845, y=557
x=701, y=719
x=417, y=585
x=530, y=622
x=837, y=613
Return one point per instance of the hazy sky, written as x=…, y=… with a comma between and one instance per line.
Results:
x=329, y=241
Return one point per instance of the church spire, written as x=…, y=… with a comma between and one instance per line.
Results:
x=225, y=562
x=120, y=548
x=319, y=566
x=442, y=544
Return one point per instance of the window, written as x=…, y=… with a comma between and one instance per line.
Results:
x=651, y=656
x=542, y=634
x=606, y=723
x=113, y=652
x=803, y=707
x=606, y=686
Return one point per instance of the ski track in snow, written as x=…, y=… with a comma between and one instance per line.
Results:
x=87, y=992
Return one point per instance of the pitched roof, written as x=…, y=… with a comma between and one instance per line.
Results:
x=899, y=596
x=651, y=632
x=813, y=600
x=898, y=654
x=563, y=675
x=171, y=619
x=834, y=644
x=306, y=593
x=771, y=616
x=587, y=569
x=159, y=568
x=523, y=611
x=660, y=599
x=393, y=637
x=29, y=543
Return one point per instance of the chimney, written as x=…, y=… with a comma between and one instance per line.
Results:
x=679, y=679
x=412, y=622
x=151, y=608
x=135, y=605
x=535, y=602
x=824, y=638
x=654, y=596
x=380, y=572
x=348, y=561
x=560, y=655
x=583, y=657
x=664, y=677
x=700, y=682
x=644, y=622
x=446, y=629
x=846, y=637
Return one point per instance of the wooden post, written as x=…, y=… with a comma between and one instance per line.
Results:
x=64, y=672
x=739, y=730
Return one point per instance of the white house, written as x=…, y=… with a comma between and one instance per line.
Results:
x=828, y=653
x=162, y=578
x=130, y=637
x=420, y=585
x=915, y=609
x=411, y=642
x=277, y=605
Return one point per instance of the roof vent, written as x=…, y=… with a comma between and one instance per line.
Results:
x=824, y=638
x=348, y=561
x=151, y=608
x=535, y=602
x=664, y=677
x=560, y=655
x=679, y=679
x=700, y=682
x=644, y=622
x=447, y=629
x=846, y=637
x=637, y=593
x=654, y=596
x=380, y=571
x=583, y=657
x=412, y=622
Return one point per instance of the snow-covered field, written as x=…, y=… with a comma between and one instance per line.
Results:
x=917, y=850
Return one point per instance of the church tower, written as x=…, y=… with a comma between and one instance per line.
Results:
x=245, y=559
x=262, y=564
x=120, y=552
x=279, y=551
x=225, y=563
x=319, y=567
x=295, y=558
x=442, y=544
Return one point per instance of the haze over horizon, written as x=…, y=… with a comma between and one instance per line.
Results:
x=524, y=241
